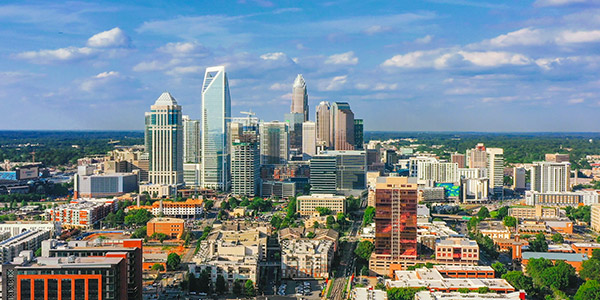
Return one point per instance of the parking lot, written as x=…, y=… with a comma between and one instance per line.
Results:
x=309, y=289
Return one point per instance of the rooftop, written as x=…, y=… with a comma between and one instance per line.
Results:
x=575, y=257
x=165, y=99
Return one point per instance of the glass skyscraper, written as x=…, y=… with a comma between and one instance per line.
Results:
x=216, y=114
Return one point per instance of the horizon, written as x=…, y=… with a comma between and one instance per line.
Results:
x=423, y=66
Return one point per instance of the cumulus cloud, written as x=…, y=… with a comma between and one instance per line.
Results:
x=374, y=29
x=333, y=84
x=447, y=58
x=274, y=56
x=346, y=58
x=416, y=59
x=424, y=40
x=57, y=55
x=109, y=39
x=576, y=101
x=101, y=79
x=521, y=37
x=571, y=37
x=185, y=49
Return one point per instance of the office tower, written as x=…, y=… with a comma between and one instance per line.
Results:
x=413, y=164
x=294, y=121
x=245, y=161
x=191, y=140
x=342, y=126
x=323, y=120
x=558, y=158
x=274, y=143
x=395, y=223
x=550, y=176
x=358, y=134
x=519, y=178
x=495, y=158
x=338, y=172
x=477, y=158
x=309, y=140
x=191, y=175
x=300, y=98
x=216, y=114
x=147, y=132
x=459, y=159
x=166, y=142
x=438, y=172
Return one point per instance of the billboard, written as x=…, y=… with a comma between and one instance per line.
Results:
x=28, y=172
x=451, y=190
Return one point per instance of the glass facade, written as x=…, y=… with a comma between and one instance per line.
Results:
x=216, y=115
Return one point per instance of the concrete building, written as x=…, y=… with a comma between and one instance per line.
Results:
x=191, y=140
x=547, y=177
x=395, y=223
x=172, y=227
x=323, y=123
x=338, y=172
x=413, y=164
x=300, y=98
x=159, y=190
x=216, y=115
x=81, y=213
x=455, y=250
x=359, y=134
x=309, y=140
x=127, y=160
x=582, y=197
x=595, y=217
x=573, y=259
x=245, y=163
x=363, y=293
x=306, y=258
x=438, y=172
x=477, y=157
x=104, y=185
x=431, y=295
x=307, y=205
x=494, y=230
x=274, y=143
x=557, y=158
x=192, y=174
x=28, y=240
x=188, y=209
x=519, y=175
x=17, y=227
x=280, y=189
x=537, y=212
x=166, y=141
x=495, y=160
x=459, y=159
x=475, y=189
x=342, y=126
x=432, y=194
x=129, y=250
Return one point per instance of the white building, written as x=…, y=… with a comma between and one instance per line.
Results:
x=309, y=140
x=306, y=258
x=550, y=176
x=18, y=227
x=191, y=174
x=438, y=171
x=307, y=205
x=28, y=240
x=191, y=140
x=495, y=161
x=413, y=164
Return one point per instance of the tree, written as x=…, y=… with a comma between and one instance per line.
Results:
x=464, y=290
x=558, y=238
x=173, y=261
x=249, y=289
x=323, y=211
x=330, y=221
x=539, y=244
x=536, y=266
x=364, y=250
x=221, y=285
x=499, y=268
x=472, y=223
x=502, y=212
x=596, y=254
x=402, y=293
x=203, y=282
x=38, y=252
x=560, y=276
x=520, y=281
x=139, y=233
x=276, y=222
x=159, y=236
x=138, y=217
x=589, y=290
x=208, y=205
x=510, y=221
x=483, y=290
x=369, y=215
x=238, y=287
x=158, y=267
x=483, y=213
x=364, y=271
x=590, y=269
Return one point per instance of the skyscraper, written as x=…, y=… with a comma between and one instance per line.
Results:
x=166, y=141
x=358, y=134
x=338, y=172
x=342, y=120
x=300, y=97
x=550, y=176
x=274, y=143
x=323, y=122
x=309, y=140
x=495, y=158
x=245, y=161
x=191, y=140
x=477, y=158
x=295, y=121
x=216, y=114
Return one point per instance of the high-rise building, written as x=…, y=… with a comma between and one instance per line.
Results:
x=338, y=172
x=323, y=120
x=519, y=175
x=358, y=134
x=557, y=158
x=191, y=140
x=550, y=177
x=342, y=121
x=495, y=159
x=216, y=114
x=300, y=98
x=395, y=223
x=274, y=143
x=245, y=161
x=477, y=158
x=309, y=140
x=294, y=121
x=166, y=141
x=438, y=172
x=147, y=132
x=459, y=159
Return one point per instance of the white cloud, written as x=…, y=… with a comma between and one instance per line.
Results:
x=57, y=55
x=561, y=2
x=153, y=65
x=385, y=86
x=424, y=40
x=408, y=60
x=521, y=37
x=274, y=56
x=95, y=82
x=576, y=101
x=447, y=58
x=569, y=37
x=334, y=84
x=494, y=58
x=374, y=29
x=108, y=74
x=184, y=49
x=109, y=39
x=185, y=70
x=280, y=86
x=346, y=58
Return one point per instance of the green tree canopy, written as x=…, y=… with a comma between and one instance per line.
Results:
x=590, y=269
x=483, y=213
x=249, y=289
x=364, y=250
x=158, y=267
x=173, y=261
x=558, y=238
x=502, y=212
x=221, y=285
x=588, y=291
x=499, y=268
x=369, y=215
x=323, y=211
x=510, y=221
x=539, y=244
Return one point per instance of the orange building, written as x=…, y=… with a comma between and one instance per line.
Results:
x=172, y=227
x=585, y=248
x=561, y=226
x=573, y=259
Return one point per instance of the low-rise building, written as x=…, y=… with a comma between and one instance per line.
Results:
x=585, y=248
x=28, y=240
x=561, y=226
x=81, y=213
x=307, y=205
x=104, y=185
x=582, y=197
x=188, y=209
x=573, y=259
x=595, y=217
x=306, y=258
x=17, y=227
x=494, y=230
x=537, y=212
x=457, y=250
x=363, y=293
x=432, y=295
x=159, y=190
x=172, y=227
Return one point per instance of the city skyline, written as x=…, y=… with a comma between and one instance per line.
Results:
x=527, y=66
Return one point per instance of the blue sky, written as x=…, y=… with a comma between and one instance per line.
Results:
x=460, y=65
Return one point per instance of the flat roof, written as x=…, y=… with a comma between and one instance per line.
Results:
x=575, y=257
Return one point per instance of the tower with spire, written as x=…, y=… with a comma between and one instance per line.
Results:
x=300, y=97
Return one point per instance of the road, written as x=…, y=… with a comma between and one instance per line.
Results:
x=347, y=262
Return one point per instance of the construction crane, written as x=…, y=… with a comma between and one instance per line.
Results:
x=249, y=114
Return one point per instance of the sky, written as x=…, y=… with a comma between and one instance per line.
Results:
x=435, y=65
